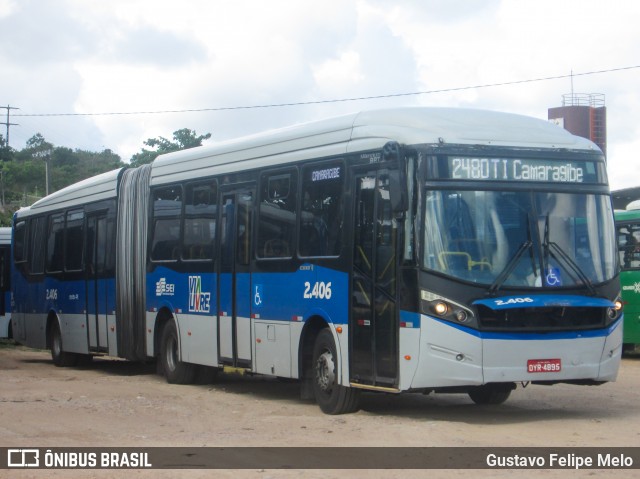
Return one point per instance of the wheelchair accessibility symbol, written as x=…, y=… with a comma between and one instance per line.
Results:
x=553, y=277
x=257, y=295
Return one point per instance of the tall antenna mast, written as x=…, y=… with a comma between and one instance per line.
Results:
x=572, y=83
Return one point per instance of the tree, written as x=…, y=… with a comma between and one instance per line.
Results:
x=182, y=140
x=37, y=143
x=6, y=152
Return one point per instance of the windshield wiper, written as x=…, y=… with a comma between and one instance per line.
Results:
x=513, y=262
x=562, y=256
x=508, y=269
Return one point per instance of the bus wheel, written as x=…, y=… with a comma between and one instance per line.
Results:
x=58, y=355
x=491, y=393
x=176, y=371
x=330, y=396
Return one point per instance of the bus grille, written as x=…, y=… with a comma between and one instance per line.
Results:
x=541, y=319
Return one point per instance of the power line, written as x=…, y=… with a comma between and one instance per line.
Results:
x=338, y=100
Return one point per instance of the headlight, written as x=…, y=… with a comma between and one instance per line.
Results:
x=615, y=311
x=439, y=307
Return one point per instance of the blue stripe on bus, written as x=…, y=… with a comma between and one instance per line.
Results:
x=309, y=291
x=552, y=335
x=543, y=300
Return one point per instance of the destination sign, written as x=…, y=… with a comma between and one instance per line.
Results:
x=326, y=174
x=522, y=169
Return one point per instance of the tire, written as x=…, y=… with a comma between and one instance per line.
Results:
x=491, y=393
x=176, y=371
x=332, y=397
x=58, y=355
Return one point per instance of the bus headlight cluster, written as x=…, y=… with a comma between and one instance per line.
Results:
x=615, y=311
x=435, y=305
x=449, y=311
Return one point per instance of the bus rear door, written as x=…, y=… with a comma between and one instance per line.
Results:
x=97, y=244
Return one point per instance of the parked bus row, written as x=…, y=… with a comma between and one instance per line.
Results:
x=416, y=249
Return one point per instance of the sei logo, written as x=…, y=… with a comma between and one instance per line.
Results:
x=320, y=290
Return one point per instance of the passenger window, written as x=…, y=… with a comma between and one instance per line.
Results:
x=200, y=221
x=277, y=216
x=322, y=210
x=20, y=242
x=74, y=243
x=37, y=236
x=55, y=243
x=167, y=208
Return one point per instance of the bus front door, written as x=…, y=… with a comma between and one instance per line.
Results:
x=97, y=244
x=373, y=323
x=234, y=295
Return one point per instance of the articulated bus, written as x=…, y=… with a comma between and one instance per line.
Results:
x=5, y=283
x=628, y=230
x=411, y=249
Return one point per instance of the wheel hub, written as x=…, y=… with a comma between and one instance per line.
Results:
x=325, y=371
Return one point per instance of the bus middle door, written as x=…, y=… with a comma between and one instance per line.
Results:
x=234, y=296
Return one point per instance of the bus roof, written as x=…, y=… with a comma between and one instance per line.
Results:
x=92, y=189
x=368, y=130
x=5, y=235
x=364, y=131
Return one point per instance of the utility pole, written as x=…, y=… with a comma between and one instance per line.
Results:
x=8, y=123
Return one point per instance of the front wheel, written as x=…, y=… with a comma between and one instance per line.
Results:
x=60, y=357
x=491, y=393
x=332, y=397
x=176, y=371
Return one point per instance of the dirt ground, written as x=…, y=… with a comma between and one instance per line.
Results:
x=112, y=403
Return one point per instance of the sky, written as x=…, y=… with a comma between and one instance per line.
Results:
x=215, y=66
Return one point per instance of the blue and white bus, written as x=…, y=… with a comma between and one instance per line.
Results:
x=5, y=283
x=412, y=249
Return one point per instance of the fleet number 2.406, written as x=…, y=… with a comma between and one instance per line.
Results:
x=319, y=290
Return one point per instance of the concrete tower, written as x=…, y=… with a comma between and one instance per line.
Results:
x=583, y=114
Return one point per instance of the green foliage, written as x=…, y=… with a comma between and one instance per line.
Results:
x=23, y=172
x=182, y=140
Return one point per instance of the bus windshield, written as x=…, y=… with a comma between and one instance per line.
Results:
x=519, y=238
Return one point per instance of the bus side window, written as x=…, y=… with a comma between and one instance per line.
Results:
x=167, y=211
x=322, y=210
x=199, y=229
x=20, y=242
x=629, y=246
x=55, y=243
x=277, y=215
x=74, y=244
x=37, y=236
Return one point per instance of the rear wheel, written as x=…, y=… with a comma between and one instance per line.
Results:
x=491, y=393
x=60, y=357
x=176, y=371
x=332, y=397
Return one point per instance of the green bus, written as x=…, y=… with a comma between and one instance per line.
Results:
x=628, y=232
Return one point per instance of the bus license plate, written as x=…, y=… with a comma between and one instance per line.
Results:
x=544, y=365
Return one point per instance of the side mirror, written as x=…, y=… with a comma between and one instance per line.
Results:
x=391, y=152
x=397, y=191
